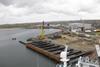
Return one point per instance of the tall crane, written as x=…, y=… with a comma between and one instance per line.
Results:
x=42, y=33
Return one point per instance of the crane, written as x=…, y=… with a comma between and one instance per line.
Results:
x=42, y=33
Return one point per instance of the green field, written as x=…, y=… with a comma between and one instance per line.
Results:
x=25, y=25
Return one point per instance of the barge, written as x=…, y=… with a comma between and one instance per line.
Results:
x=53, y=51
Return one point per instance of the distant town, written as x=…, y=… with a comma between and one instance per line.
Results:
x=94, y=23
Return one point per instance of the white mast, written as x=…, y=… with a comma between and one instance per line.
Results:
x=98, y=52
x=63, y=56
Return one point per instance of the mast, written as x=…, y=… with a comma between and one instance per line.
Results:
x=98, y=52
x=63, y=56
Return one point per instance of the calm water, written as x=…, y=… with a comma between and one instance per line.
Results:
x=14, y=54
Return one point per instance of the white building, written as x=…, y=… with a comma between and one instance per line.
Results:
x=80, y=27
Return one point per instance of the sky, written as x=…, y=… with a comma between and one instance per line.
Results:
x=20, y=11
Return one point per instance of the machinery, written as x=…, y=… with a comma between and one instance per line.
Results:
x=42, y=33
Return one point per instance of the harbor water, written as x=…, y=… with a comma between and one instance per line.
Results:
x=14, y=54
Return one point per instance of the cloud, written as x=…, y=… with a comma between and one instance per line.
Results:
x=6, y=2
x=12, y=11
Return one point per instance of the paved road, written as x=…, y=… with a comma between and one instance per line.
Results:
x=14, y=54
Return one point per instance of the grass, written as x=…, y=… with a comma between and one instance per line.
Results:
x=24, y=25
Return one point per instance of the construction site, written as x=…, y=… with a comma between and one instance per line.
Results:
x=79, y=42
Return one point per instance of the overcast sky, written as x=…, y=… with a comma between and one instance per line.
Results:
x=12, y=11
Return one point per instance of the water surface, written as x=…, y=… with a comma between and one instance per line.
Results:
x=14, y=54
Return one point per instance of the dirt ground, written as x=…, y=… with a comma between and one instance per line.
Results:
x=76, y=42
